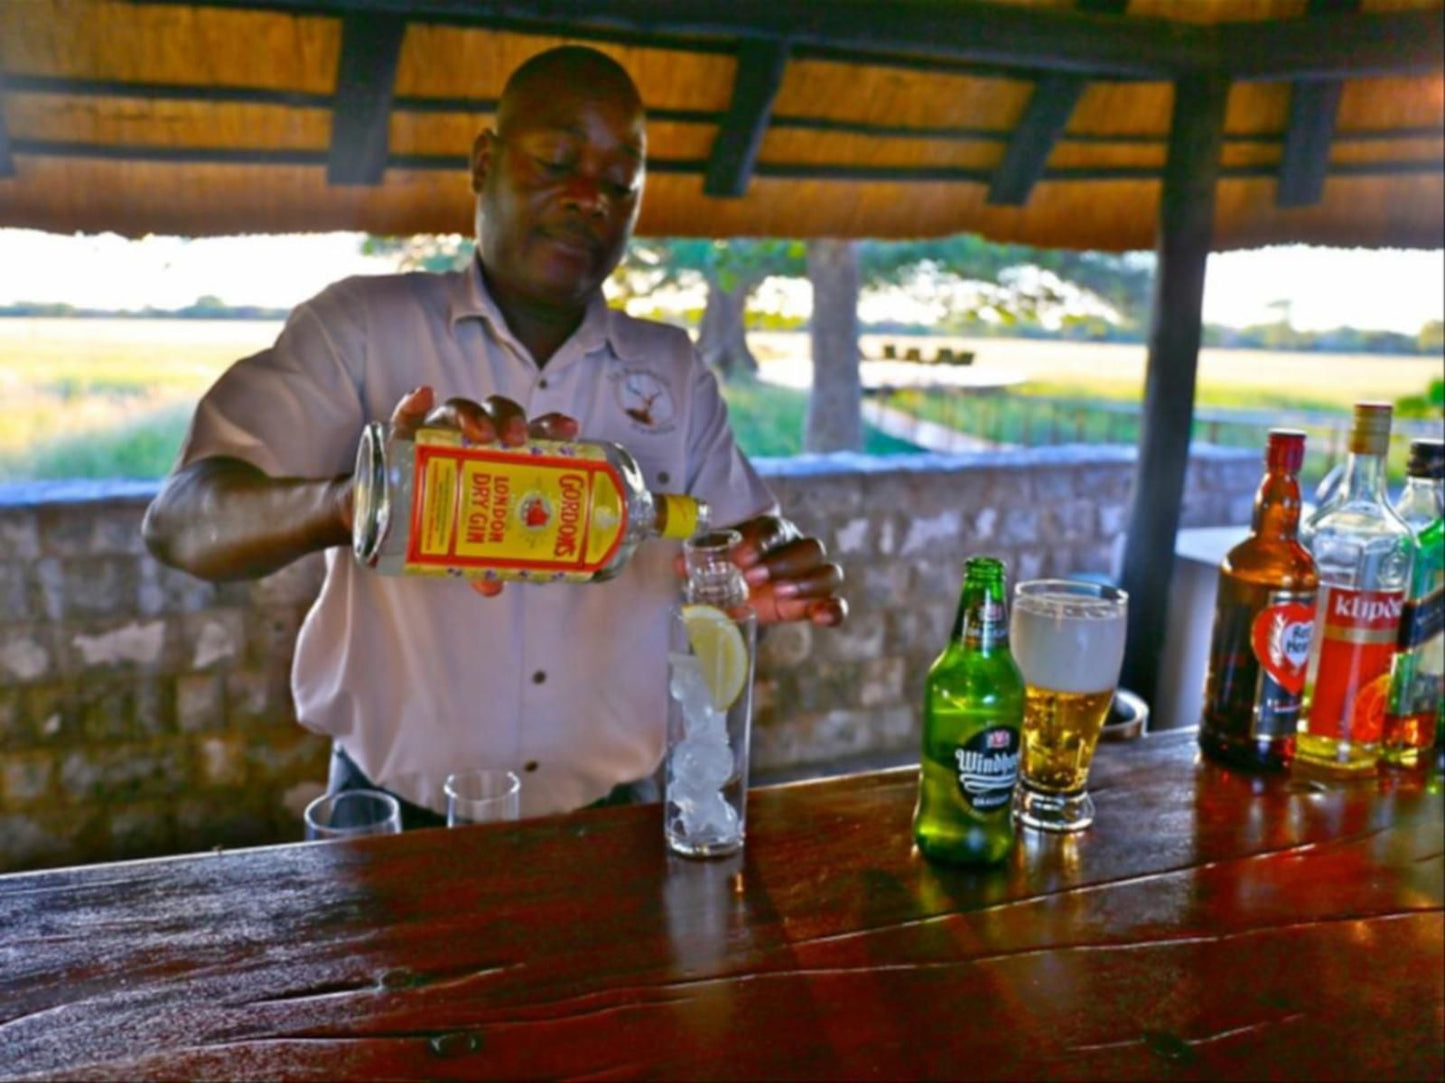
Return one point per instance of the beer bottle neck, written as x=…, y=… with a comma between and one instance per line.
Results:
x=982, y=620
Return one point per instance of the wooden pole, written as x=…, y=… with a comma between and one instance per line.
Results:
x=1186, y=226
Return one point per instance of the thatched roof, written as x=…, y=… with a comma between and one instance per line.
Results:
x=1044, y=121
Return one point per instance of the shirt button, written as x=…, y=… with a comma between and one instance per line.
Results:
x=542, y=383
x=539, y=677
x=663, y=477
x=530, y=766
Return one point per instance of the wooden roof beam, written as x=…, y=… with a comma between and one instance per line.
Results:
x=1043, y=122
x=1313, y=107
x=7, y=163
x=1027, y=155
x=1038, y=39
x=365, y=84
x=741, y=130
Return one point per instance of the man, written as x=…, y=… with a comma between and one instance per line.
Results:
x=416, y=678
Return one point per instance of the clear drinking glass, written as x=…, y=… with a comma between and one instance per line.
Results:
x=711, y=646
x=1068, y=640
x=352, y=813
x=483, y=796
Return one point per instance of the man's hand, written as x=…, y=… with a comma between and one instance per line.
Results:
x=494, y=421
x=789, y=576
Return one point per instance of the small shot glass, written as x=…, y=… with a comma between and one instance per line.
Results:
x=483, y=796
x=351, y=814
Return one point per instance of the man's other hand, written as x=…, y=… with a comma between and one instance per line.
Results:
x=789, y=576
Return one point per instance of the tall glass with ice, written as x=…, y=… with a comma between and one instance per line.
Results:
x=1068, y=640
x=710, y=658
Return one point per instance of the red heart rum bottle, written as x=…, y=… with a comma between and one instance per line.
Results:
x=1263, y=624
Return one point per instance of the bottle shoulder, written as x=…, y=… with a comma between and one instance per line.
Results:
x=1272, y=561
x=959, y=670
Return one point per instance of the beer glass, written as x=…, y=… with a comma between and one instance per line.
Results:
x=1068, y=640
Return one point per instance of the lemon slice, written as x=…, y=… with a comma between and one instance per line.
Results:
x=719, y=646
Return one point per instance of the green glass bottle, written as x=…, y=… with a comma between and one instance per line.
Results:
x=973, y=707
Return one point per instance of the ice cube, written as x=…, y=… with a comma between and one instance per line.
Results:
x=708, y=762
x=710, y=818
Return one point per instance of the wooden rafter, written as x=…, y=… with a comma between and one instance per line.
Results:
x=1037, y=39
x=68, y=86
x=740, y=132
x=795, y=171
x=365, y=84
x=1042, y=124
x=7, y=163
x=1313, y=107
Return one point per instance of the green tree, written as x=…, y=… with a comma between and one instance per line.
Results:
x=1432, y=337
x=424, y=251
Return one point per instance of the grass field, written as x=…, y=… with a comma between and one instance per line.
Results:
x=111, y=398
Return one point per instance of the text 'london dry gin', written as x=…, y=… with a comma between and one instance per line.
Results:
x=545, y=512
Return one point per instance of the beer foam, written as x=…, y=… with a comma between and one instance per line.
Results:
x=1068, y=642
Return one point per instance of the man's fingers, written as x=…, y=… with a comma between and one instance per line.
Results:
x=830, y=612
x=787, y=562
x=467, y=417
x=554, y=427
x=820, y=582
x=487, y=588
x=509, y=419
x=411, y=412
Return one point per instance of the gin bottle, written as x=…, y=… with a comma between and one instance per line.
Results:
x=545, y=512
x=1362, y=551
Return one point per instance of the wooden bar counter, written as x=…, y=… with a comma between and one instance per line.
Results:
x=1209, y=925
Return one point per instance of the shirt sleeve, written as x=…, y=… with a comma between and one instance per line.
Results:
x=294, y=410
x=718, y=471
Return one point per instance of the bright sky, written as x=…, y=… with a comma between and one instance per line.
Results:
x=1376, y=289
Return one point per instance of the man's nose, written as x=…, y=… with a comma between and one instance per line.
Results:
x=586, y=195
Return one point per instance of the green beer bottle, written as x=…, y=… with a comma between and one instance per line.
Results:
x=973, y=706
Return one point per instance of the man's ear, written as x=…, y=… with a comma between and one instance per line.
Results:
x=482, y=151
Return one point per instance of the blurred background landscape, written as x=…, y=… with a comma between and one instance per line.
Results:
x=102, y=359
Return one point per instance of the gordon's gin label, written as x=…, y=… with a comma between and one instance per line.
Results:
x=555, y=512
x=1357, y=630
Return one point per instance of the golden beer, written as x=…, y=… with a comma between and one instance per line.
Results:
x=1060, y=732
x=1068, y=639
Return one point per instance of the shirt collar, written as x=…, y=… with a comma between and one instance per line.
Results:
x=470, y=298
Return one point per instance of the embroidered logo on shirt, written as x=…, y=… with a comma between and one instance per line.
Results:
x=646, y=400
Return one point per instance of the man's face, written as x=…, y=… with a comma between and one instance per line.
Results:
x=560, y=186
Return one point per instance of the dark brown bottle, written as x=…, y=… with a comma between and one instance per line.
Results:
x=1263, y=623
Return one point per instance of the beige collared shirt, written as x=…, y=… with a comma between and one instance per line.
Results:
x=417, y=677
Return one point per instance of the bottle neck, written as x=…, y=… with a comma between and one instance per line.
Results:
x=1364, y=478
x=982, y=620
x=1277, y=506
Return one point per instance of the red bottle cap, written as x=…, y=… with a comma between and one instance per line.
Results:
x=1286, y=450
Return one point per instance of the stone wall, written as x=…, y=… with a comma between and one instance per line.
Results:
x=145, y=712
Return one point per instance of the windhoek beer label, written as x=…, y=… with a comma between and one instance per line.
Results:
x=545, y=511
x=988, y=767
x=1357, y=641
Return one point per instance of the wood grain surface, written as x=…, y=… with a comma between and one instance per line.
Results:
x=1209, y=925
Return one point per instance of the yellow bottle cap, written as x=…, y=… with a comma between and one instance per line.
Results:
x=683, y=516
x=1370, y=434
